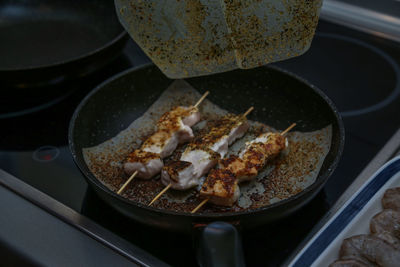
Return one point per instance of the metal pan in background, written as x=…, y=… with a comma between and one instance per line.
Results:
x=48, y=41
x=279, y=98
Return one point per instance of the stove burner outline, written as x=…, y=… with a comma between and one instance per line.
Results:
x=36, y=108
x=395, y=92
x=51, y=153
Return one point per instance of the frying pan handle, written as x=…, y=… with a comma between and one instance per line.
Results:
x=219, y=244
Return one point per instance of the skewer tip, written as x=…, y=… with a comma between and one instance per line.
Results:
x=201, y=99
x=199, y=206
x=127, y=183
x=288, y=129
x=248, y=111
x=160, y=194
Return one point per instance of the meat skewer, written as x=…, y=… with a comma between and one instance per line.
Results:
x=202, y=154
x=173, y=128
x=221, y=185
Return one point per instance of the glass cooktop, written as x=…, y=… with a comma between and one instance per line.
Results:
x=359, y=72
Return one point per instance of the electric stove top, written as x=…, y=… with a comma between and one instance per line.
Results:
x=359, y=72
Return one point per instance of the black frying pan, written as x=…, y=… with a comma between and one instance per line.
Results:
x=48, y=41
x=113, y=105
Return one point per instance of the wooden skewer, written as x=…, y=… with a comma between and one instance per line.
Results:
x=288, y=129
x=169, y=185
x=248, y=111
x=136, y=172
x=201, y=99
x=127, y=182
x=205, y=200
x=160, y=194
x=199, y=206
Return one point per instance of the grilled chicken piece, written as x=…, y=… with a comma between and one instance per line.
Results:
x=370, y=249
x=189, y=116
x=181, y=172
x=147, y=164
x=202, y=159
x=243, y=168
x=221, y=187
x=255, y=155
x=224, y=132
x=205, y=151
x=164, y=142
x=391, y=199
x=173, y=129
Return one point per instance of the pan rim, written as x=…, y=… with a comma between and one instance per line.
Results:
x=121, y=33
x=214, y=216
x=116, y=39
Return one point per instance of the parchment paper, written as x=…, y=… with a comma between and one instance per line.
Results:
x=294, y=170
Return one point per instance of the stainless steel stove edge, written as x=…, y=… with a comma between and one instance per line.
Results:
x=86, y=226
x=359, y=18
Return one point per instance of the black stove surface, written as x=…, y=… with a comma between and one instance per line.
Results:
x=359, y=72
